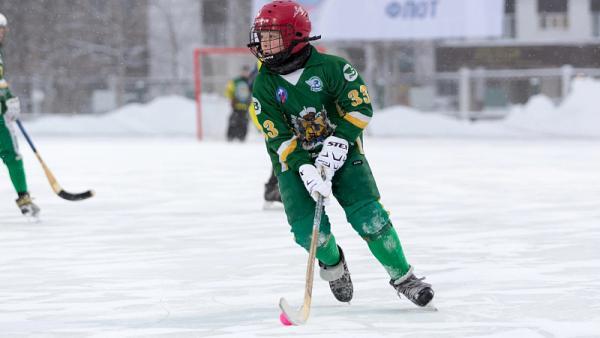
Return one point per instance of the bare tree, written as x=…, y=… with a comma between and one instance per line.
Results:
x=69, y=48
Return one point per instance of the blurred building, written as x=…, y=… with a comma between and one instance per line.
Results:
x=89, y=56
x=545, y=43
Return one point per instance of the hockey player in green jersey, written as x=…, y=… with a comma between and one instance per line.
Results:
x=313, y=109
x=238, y=93
x=10, y=108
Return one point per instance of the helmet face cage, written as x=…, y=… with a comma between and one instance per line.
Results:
x=272, y=49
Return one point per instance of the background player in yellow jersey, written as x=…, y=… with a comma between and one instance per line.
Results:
x=239, y=95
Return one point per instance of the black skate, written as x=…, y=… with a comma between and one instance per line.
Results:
x=339, y=280
x=413, y=288
x=27, y=207
x=272, y=195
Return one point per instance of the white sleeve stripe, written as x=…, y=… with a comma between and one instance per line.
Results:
x=362, y=117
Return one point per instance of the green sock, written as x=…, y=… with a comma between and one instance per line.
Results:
x=387, y=249
x=329, y=253
x=17, y=175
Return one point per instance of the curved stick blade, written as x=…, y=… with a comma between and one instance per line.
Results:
x=76, y=197
x=295, y=317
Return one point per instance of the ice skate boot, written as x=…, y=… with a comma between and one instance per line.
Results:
x=272, y=197
x=413, y=288
x=339, y=279
x=26, y=205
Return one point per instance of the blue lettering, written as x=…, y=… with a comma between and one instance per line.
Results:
x=434, y=4
x=412, y=9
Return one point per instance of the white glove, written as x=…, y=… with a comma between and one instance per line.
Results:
x=13, y=109
x=314, y=183
x=333, y=155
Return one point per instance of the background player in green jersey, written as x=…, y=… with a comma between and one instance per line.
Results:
x=238, y=93
x=10, y=109
x=313, y=109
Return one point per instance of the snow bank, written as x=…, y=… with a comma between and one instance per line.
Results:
x=164, y=116
x=407, y=122
x=577, y=116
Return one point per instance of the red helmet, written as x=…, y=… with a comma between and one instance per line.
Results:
x=290, y=20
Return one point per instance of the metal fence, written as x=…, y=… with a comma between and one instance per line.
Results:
x=93, y=97
x=470, y=91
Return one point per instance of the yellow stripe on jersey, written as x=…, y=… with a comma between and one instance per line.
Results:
x=253, y=117
x=357, y=119
x=285, y=149
x=251, y=110
x=230, y=90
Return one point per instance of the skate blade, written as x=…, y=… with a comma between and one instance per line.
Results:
x=33, y=219
x=431, y=307
x=270, y=205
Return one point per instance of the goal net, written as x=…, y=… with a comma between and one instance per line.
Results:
x=213, y=68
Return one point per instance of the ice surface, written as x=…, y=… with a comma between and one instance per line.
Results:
x=175, y=243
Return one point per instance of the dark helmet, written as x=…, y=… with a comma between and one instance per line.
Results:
x=290, y=20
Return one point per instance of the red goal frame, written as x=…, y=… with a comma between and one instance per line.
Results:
x=200, y=52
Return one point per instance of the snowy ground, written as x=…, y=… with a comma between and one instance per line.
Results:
x=175, y=243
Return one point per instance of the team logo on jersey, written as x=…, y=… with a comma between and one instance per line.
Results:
x=350, y=74
x=281, y=94
x=256, y=105
x=316, y=85
x=312, y=127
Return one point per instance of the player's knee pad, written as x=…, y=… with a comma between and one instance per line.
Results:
x=369, y=219
x=384, y=231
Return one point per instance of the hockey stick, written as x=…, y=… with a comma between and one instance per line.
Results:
x=51, y=179
x=301, y=316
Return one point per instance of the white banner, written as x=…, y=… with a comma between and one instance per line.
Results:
x=402, y=19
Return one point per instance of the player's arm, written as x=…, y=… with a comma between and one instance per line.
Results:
x=230, y=89
x=352, y=98
x=279, y=136
x=11, y=104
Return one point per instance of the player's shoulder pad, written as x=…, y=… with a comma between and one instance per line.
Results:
x=342, y=65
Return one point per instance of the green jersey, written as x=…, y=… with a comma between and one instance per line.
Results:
x=299, y=110
x=5, y=93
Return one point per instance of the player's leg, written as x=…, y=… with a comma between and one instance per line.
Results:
x=243, y=124
x=237, y=126
x=300, y=208
x=272, y=195
x=272, y=189
x=231, y=127
x=11, y=157
x=356, y=190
